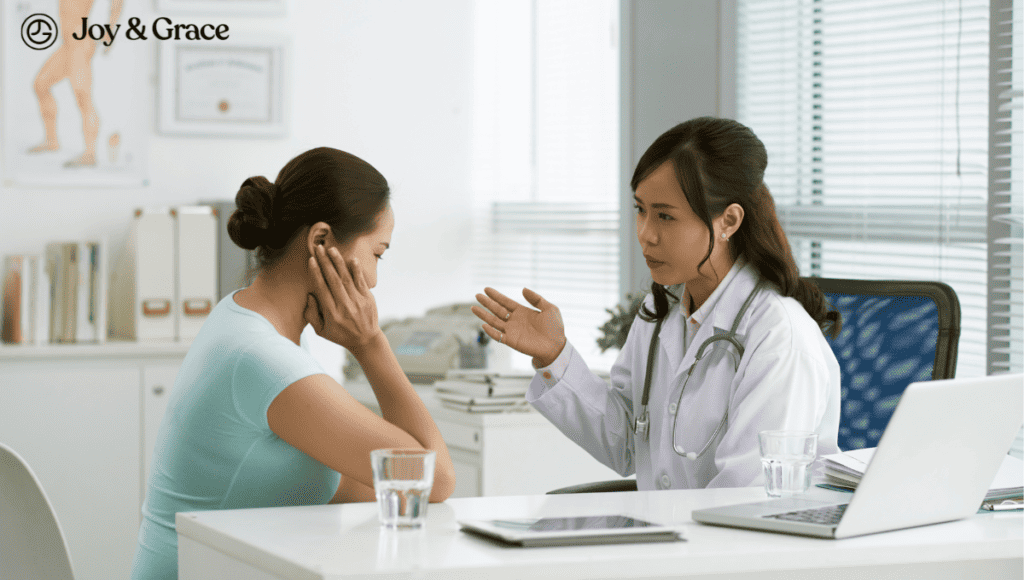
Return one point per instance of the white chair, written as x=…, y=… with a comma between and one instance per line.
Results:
x=32, y=545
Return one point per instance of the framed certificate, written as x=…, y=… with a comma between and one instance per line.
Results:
x=231, y=88
x=239, y=7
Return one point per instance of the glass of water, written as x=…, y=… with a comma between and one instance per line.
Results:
x=402, y=479
x=787, y=457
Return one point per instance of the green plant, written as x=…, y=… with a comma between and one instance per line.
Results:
x=614, y=332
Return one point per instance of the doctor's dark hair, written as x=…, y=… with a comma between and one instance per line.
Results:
x=719, y=162
x=320, y=185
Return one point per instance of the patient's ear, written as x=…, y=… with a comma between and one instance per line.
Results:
x=319, y=235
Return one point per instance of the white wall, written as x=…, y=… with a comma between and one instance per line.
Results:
x=387, y=80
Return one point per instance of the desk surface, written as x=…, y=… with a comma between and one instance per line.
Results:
x=346, y=541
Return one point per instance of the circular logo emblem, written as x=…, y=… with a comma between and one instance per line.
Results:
x=39, y=31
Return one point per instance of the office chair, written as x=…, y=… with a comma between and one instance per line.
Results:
x=32, y=545
x=894, y=333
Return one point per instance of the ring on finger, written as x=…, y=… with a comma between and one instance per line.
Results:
x=501, y=338
x=508, y=314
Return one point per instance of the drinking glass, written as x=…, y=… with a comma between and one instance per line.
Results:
x=402, y=479
x=787, y=457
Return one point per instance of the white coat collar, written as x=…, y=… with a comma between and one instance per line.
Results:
x=725, y=302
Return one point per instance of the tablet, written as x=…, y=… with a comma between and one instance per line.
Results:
x=572, y=531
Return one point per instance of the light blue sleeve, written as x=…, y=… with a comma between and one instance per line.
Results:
x=265, y=369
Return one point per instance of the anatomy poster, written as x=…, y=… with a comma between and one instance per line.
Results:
x=75, y=102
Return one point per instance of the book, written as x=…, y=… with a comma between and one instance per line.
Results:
x=481, y=389
x=490, y=376
x=62, y=270
x=91, y=323
x=463, y=399
x=520, y=406
x=844, y=470
x=19, y=296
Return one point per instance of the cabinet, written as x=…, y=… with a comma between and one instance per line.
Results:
x=517, y=453
x=83, y=417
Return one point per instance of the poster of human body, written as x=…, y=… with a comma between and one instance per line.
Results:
x=75, y=101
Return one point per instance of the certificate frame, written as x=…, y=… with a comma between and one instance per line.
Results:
x=234, y=7
x=201, y=84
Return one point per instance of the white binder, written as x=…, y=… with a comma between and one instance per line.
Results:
x=154, y=304
x=196, y=254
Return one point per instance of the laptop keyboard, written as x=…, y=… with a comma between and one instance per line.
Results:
x=828, y=515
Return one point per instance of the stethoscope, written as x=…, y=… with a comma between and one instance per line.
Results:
x=641, y=425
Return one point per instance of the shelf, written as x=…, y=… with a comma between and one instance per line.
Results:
x=114, y=349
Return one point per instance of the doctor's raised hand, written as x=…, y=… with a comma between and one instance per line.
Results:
x=538, y=333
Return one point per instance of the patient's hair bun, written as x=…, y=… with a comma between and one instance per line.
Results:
x=252, y=223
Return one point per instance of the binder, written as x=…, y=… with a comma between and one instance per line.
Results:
x=152, y=244
x=196, y=258
x=235, y=265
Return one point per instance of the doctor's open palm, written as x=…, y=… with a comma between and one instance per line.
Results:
x=538, y=333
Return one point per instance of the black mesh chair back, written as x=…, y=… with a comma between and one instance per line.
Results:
x=893, y=333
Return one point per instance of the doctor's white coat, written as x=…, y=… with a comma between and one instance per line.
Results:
x=788, y=378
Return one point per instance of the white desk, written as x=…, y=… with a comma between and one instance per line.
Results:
x=345, y=541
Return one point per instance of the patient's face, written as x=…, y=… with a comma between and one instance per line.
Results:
x=368, y=248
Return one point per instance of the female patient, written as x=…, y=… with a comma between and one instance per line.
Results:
x=253, y=420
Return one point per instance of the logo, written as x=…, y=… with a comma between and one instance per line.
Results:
x=39, y=31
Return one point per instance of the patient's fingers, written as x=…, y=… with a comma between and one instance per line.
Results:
x=324, y=296
x=345, y=276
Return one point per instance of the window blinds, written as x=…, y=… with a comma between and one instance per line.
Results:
x=875, y=117
x=1006, y=182
x=546, y=159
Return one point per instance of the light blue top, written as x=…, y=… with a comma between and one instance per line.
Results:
x=215, y=449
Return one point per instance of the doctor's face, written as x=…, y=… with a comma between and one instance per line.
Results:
x=673, y=239
x=368, y=248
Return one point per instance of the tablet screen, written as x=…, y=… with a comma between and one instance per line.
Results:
x=615, y=522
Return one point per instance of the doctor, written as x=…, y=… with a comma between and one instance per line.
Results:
x=728, y=342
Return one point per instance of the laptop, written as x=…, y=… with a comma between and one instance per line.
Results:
x=934, y=463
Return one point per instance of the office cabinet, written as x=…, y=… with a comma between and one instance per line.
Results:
x=81, y=418
x=514, y=453
x=157, y=380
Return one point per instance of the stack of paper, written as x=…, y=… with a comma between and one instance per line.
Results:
x=483, y=391
x=844, y=470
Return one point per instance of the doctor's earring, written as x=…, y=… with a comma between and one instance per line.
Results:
x=725, y=237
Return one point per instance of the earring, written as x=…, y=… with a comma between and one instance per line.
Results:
x=725, y=237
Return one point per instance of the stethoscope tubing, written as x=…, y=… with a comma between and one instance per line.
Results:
x=641, y=425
